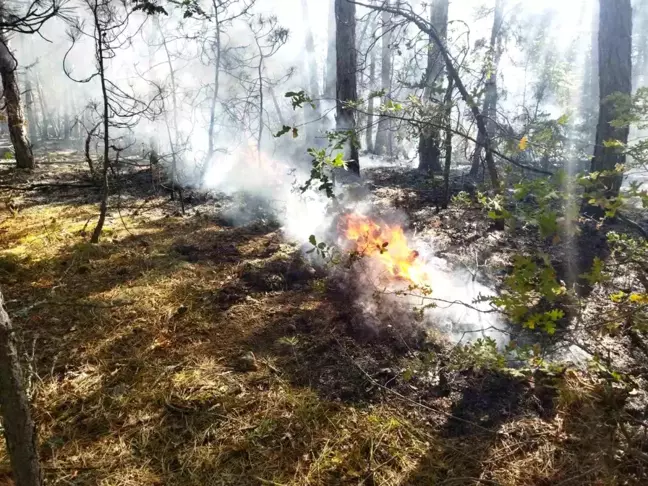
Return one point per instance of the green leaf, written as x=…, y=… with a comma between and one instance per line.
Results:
x=312, y=240
x=338, y=161
x=613, y=143
x=285, y=129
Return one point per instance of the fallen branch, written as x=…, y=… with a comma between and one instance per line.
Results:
x=32, y=187
x=99, y=305
x=633, y=224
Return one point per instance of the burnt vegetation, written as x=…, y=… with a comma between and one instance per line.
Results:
x=363, y=242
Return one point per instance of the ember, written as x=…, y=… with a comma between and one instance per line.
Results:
x=386, y=244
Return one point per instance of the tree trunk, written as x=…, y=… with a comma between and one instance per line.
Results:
x=429, y=151
x=15, y=116
x=641, y=45
x=174, y=141
x=311, y=59
x=346, y=82
x=216, y=47
x=383, y=131
x=103, y=207
x=66, y=118
x=490, y=90
x=29, y=108
x=44, y=110
x=277, y=108
x=615, y=76
x=448, y=143
x=19, y=428
x=371, y=103
x=330, y=76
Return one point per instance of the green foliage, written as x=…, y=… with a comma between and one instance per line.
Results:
x=299, y=98
x=323, y=161
x=480, y=354
x=149, y=7
x=285, y=129
x=596, y=274
x=527, y=287
x=327, y=252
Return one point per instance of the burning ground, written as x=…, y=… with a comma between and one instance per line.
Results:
x=185, y=350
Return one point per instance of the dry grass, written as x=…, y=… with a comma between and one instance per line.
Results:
x=135, y=344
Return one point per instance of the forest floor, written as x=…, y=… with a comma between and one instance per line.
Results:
x=182, y=350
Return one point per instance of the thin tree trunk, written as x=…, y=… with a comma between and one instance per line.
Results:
x=88, y=140
x=45, y=118
x=277, y=108
x=19, y=428
x=15, y=116
x=615, y=76
x=490, y=91
x=369, y=142
x=383, y=131
x=214, y=101
x=311, y=59
x=448, y=144
x=261, y=102
x=175, y=140
x=103, y=208
x=429, y=140
x=66, y=118
x=330, y=79
x=346, y=85
x=32, y=123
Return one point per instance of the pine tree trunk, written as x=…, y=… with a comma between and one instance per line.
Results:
x=429, y=140
x=44, y=110
x=490, y=90
x=371, y=103
x=615, y=76
x=103, y=206
x=15, y=116
x=448, y=143
x=383, y=131
x=346, y=83
x=19, y=428
x=330, y=71
x=311, y=58
x=32, y=123
x=216, y=47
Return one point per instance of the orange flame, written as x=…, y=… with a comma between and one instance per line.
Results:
x=386, y=244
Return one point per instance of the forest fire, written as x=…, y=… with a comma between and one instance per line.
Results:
x=386, y=244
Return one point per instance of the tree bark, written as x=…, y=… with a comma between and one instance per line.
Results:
x=15, y=116
x=429, y=140
x=346, y=82
x=490, y=90
x=45, y=116
x=447, y=143
x=369, y=142
x=330, y=71
x=103, y=207
x=19, y=428
x=32, y=123
x=214, y=101
x=311, y=59
x=615, y=76
x=383, y=131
